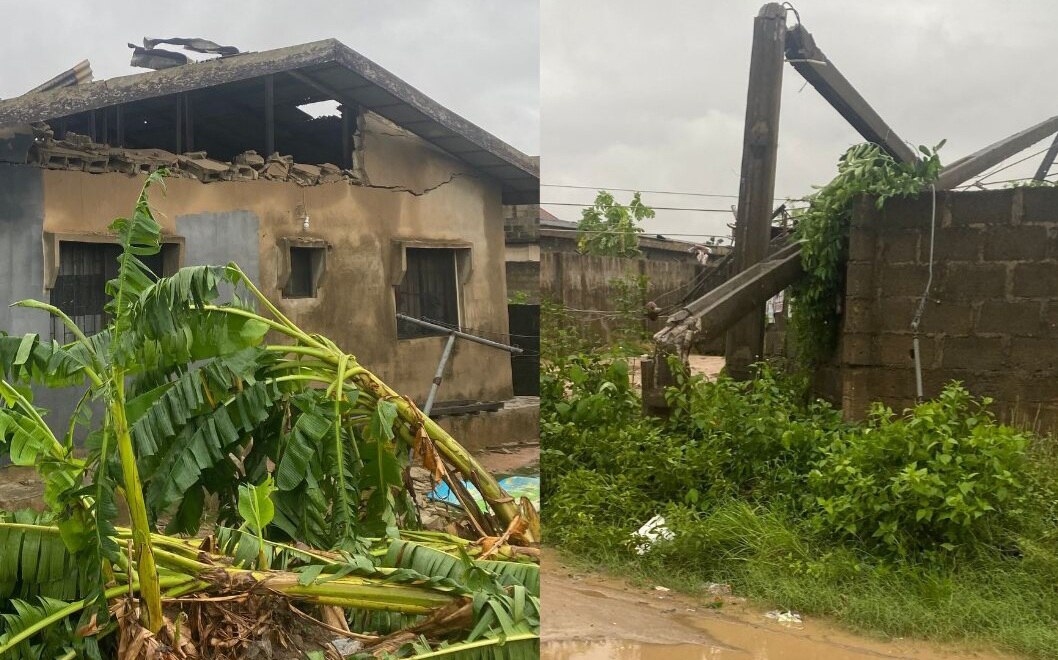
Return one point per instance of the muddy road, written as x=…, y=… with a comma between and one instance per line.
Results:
x=593, y=617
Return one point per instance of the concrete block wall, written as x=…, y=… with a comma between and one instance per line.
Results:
x=521, y=223
x=991, y=319
x=584, y=282
x=523, y=279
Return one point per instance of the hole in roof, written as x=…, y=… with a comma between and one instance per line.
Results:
x=326, y=108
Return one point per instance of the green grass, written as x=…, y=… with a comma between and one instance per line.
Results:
x=1010, y=605
x=744, y=475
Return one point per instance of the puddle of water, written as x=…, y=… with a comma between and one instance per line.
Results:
x=614, y=650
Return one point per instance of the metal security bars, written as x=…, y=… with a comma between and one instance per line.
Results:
x=430, y=289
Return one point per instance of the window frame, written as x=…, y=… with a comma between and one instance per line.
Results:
x=318, y=264
x=171, y=255
x=462, y=267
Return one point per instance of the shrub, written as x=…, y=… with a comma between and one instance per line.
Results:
x=937, y=478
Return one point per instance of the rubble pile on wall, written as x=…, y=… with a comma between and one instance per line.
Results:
x=80, y=153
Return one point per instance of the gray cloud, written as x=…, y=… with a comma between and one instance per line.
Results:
x=478, y=58
x=652, y=95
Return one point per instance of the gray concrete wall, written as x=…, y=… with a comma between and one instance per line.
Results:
x=214, y=239
x=584, y=282
x=22, y=273
x=21, y=248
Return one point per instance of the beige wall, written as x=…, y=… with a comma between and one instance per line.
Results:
x=355, y=304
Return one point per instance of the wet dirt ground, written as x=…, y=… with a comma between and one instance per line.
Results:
x=706, y=365
x=588, y=616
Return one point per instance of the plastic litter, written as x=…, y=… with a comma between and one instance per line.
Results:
x=785, y=617
x=516, y=487
x=648, y=534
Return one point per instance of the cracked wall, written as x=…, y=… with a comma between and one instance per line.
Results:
x=355, y=305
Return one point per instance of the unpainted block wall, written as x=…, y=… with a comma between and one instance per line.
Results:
x=991, y=319
x=583, y=282
x=521, y=223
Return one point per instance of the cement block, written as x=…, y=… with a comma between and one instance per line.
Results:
x=1036, y=280
x=1034, y=354
x=1022, y=243
x=957, y=244
x=1021, y=318
x=974, y=353
x=1039, y=205
x=982, y=207
x=964, y=281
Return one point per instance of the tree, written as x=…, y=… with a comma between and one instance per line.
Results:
x=610, y=229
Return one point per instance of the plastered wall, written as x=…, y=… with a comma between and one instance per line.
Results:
x=414, y=192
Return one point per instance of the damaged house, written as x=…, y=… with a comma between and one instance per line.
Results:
x=391, y=205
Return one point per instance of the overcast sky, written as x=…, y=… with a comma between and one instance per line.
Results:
x=479, y=58
x=651, y=95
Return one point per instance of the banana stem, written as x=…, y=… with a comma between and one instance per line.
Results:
x=349, y=591
x=74, y=608
x=150, y=591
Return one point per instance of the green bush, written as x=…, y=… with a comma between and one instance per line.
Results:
x=940, y=477
x=941, y=480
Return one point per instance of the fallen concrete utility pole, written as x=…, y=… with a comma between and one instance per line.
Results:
x=1048, y=160
x=994, y=154
x=723, y=307
x=803, y=54
x=712, y=314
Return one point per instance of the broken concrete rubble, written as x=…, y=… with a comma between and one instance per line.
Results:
x=80, y=153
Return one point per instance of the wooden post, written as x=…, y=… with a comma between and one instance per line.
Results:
x=119, y=125
x=348, y=117
x=179, y=140
x=745, y=340
x=270, y=115
x=189, y=124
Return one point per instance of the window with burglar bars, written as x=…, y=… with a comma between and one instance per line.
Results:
x=429, y=291
x=80, y=287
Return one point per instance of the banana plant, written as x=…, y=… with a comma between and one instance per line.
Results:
x=197, y=402
x=104, y=364
x=475, y=603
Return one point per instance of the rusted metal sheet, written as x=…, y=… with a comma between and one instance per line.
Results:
x=156, y=58
x=78, y=74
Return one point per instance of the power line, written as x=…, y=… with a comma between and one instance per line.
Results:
x=653, y=192
x=655, y=208
x=642, y=235
x=1009, y=165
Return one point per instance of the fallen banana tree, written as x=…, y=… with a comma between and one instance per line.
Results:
x=429, y=588
x=296, y=442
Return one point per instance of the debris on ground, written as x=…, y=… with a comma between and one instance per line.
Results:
x=785, y=617
x=650, y=533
